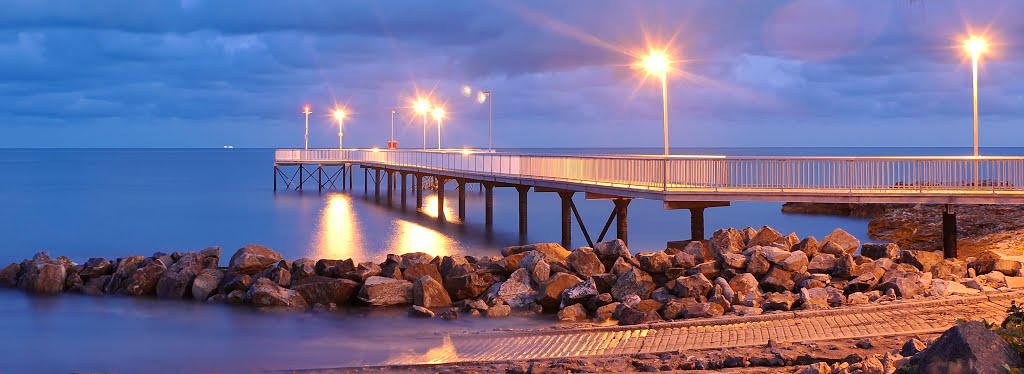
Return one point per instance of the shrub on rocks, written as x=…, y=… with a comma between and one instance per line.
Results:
x=585, y=262
x=253, y=259
x=381, y=291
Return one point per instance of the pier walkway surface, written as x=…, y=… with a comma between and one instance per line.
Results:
x=896, y=319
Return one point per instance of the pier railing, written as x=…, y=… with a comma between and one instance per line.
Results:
x=714, y=173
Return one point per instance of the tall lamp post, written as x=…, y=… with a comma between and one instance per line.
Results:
x=490, y=109
x=438, y=115
x=306, y=111
x=422, y=106
x=975, y=46
x=339, y=114
x=657, y=63
x=392, y=144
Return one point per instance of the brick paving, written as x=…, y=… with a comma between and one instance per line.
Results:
x=903, y=318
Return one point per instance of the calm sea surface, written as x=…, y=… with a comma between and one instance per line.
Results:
x=113, y=203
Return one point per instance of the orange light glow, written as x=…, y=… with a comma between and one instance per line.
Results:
x=430, y=209
x=338, y=235
x=339, y=114
x=438, y=113
x=975, y=46
x=481, y=97
x=412, y=237
x=306, y=110
x=421, y=106
x=656, y=62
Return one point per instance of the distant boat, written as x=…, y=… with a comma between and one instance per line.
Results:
x=229, y=146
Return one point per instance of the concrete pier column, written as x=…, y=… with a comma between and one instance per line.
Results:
x=391, y=186
x=523, y=190
x=404, y=190
x=949, y=232
x=419, y=190
x=462, y=199
x=440, y=197
x=351, y=176
x=566, y=218
x=622, y=220
x=696, y=224
x=376, y=185
x=319, y=178
x=300, y=176
x=488, y=204
x=344, y=177
x=275, y=177
x=366, y=179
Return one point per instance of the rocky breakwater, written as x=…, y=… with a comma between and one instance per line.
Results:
x=741, y=272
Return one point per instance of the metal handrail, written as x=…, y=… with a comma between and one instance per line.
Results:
x=874, y=174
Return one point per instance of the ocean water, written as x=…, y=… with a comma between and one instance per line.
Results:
x=116, y=202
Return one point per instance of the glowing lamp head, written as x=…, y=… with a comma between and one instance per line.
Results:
x=421, y=106
x=656, y=62
x=481, y=97
x=306, y=110
x=975, y=46
x=339, y=115
x=438, y=113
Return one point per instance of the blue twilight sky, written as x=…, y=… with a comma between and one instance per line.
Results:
x=204, y=73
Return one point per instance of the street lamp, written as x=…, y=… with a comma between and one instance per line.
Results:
x=657, y=63
x=306, y=110
x=975, y=46
x=422, y=106
x=486, y=95
x=392, y=144
x=339, y=114
x=438, y=115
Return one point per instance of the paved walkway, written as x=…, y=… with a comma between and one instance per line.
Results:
x=905, y=318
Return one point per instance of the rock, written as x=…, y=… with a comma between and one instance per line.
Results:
x=303, y=268
x=863, y=283
x=538, y=267
x=417, y=270
x=598, y=301
x=675, y=309
x=634, y=316
x=727, y=290
x=631, y=301
x=9, y=275
x=832, y=249
x=796, y=262
x=236, y=297
x=606, y=312
x=633, y=282
x=821, y=263
x=41, y=277
x=549, y=295
x=814, y=299
x=468, y=286
x=205, y=284
x=968, y=348
x=253, y=259
x=703, y=310
x=742, y=310
x=620, y=266
x=912, y=347
x=382, y=291
x=1014, y=282
x=734, y=261
x=845, y=267
x=553, y=252
x=696, y=286
x=858, y=298
x=744, y=283
x=450, y=262
x=419, y=311
x=758, y=265
x=517, y=291
x=585, y=262
x=364, y=271
x=764, y=237
x=848, y=243
x=266, y=293
x=726, y=241
x=876, y=251
x=908, y=285
x=698, y=251
x=428, y=292
x=572, y=313
x=778, y=280
x=605, y=282
x=176, y=281
x=775, y=255
x=836, y=297
x=654, y=262
x=95, y=267
x=210, y=257
x=946, y=288
x=449, y=315
x=864, y=343
x=232, y=282
x=334, y=268
x=923, y=260
x=144, y=280
x=498, y=311
x=709, y=269
x=809, y=246
x=124, y=269
x=778, y=301
x=950, y=269
x=579, y=293
x=989, y=261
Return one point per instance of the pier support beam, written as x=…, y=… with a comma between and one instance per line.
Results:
x=949, y=232
x=419, y=190
x=697, y=224
x=351, y=175
x=366, y=179
x=566, y=197
x=440, y=197
x=301, y=177
x=462, y=199
x=488, y=203
x=622, y=219
x=391, y=186
x=376, y=185
x=404, y=190
x=523, y=190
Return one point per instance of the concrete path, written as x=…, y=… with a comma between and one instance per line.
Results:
x=904, y=318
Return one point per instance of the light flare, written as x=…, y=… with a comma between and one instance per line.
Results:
x=975, y=46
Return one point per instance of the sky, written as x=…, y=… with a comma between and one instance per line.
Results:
x=749, y=73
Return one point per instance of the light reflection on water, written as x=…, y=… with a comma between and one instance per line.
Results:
x=338, y=234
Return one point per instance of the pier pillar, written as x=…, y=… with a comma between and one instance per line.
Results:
x=566, y=218
x=319, y=178
x=366, y=179
x=344, y=177
x=391, y=186
x=376, y=185
x=351, y=175
x=300, y=177
x=488, y=204
x=949, y=232
x=696, y=224
x=522, y=208
x=404, y=190
x=440, y=197
x=419, y=190
x=275, y=177
x=622, y=219
x=462, y=199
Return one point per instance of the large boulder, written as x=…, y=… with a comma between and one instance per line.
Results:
x=553, y=252
x=585, y=262
x=814, y=298
x=43, y=278
x=636, y=316
x=966, y=348
x=758, y=264
x=9, y=275
x=778, y=280
x=517, y=290
x=95, y=267
x=451, y=262
x=326, y=290
x=536, y=263
x=845, y=267
x=923, y=260
x=950, y=269
x=429, y=293
x=205, y=284
x=382, y=291
x=579, y=293
x=144, y=280
x=252, y=259
x=266, y=293
x=468, y=286
x=550, y=293
x=808, y=245
x=303, y=268
x=633, y=282
x=334, y=268
x=696, y=286
x=778, y=301
x=654, y=262
x=235, y=282
x=876, y=251
x=698, y=251
x=743, y=284
x=703, y=310
x=989, y=261
x=124, y=269
x=941, y=287
x=843, y=239
x=176, y=282
x=418, y=270
x=726, y=241
x=797, y=262
x=765, y=237
x=821, y=263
